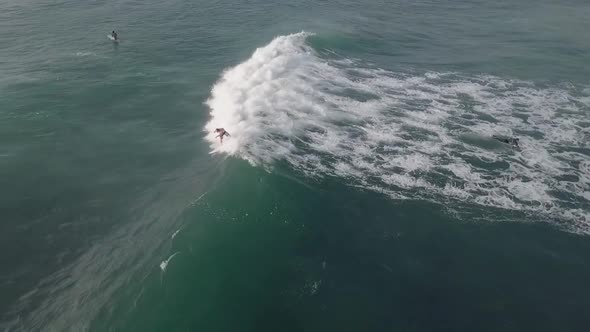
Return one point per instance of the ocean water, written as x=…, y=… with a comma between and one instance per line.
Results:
x=360, y=190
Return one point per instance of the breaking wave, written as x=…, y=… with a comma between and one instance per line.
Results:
x=409, y=135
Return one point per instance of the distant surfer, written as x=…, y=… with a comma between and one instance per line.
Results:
x=221, y=133
x=114, y=35
x=511, y=141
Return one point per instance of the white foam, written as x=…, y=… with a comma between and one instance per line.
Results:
x=84, y=54
x=403, y=134
x=454, y=191
x=164, y=263
x=463, y=171
x=174, y=234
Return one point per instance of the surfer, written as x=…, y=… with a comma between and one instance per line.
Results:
x=221, y=133
x=114, y=35
x=512, y=141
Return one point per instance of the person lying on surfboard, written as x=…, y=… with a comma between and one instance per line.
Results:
x=114, y=34
x=221, y=133
x=511, y=141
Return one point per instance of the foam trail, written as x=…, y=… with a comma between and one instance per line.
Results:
x=164, y=263
x=409, y=135
x=83, y=54
x=174, y=234
x=198, y=199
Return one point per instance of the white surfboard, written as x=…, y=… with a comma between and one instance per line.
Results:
x=112, y=38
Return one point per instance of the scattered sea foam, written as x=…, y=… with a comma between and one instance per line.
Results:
x=408, y=135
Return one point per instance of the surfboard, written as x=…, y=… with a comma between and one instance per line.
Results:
x=112, y=38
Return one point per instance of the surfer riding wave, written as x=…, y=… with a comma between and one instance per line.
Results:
x=221, y=132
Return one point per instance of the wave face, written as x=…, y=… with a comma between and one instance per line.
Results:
x=409, y=135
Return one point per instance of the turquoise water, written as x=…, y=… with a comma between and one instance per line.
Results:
x=360, y=190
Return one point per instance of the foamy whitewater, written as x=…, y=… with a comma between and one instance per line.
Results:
x=409, y=135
